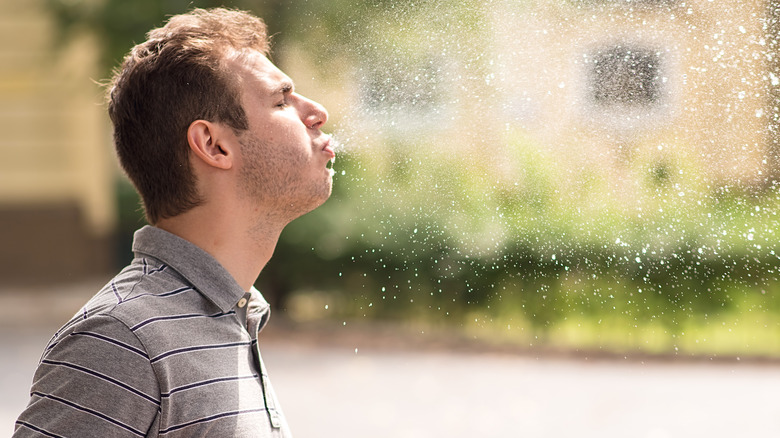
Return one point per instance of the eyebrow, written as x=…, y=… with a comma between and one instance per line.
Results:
x=285, y=88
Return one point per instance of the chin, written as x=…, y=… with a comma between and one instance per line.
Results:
x=327, y=188
x=319, y=196
x=325, y=196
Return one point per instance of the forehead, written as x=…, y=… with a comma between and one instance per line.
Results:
x=257, y=73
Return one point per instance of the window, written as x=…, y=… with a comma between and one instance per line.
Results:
x=403, y=92
x=625, y=76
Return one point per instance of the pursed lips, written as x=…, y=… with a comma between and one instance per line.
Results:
x=326, y=147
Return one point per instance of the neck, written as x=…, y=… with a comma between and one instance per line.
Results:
x=243, y=251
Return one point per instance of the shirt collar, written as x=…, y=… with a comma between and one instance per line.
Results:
x=258, y=312
x=202, y=270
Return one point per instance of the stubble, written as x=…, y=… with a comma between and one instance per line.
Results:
x=277, y=179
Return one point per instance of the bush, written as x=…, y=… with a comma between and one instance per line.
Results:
x=412, y=233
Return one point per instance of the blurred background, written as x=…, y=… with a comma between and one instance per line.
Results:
x=545, y=179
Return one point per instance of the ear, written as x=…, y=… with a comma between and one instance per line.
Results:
x=211, y=143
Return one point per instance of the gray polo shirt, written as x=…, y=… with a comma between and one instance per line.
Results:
x=167, y=348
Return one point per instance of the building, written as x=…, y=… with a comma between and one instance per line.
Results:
x=57, y=177
x=630, y=91
x=679, y=84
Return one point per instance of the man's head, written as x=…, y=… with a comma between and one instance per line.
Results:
x=179, y=75
x=282, y=157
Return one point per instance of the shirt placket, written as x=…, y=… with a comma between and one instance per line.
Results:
x=253, y=324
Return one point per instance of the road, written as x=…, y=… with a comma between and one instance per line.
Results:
x=335, y=391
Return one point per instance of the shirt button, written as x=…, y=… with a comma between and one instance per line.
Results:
x=242, y=302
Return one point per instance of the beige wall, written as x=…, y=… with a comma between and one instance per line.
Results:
x=521, y=77
x=713, y=114
x=55, y=146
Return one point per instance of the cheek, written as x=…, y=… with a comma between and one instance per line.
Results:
x=284, y=134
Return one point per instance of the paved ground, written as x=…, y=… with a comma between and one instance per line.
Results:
x=343, y=394
x=330, y=390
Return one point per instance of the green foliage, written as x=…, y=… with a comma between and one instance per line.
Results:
x=117, y=24
x=120, y=24
x=414, y=233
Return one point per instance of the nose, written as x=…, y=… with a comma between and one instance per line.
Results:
x=315, y=115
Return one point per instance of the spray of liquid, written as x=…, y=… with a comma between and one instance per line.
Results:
x=501, y=157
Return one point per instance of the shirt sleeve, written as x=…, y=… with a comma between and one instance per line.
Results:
x=94, y=380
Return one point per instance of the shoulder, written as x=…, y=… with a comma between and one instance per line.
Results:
x=159, y=307
x=145, y=289
x=102, y=347
x=94, y=376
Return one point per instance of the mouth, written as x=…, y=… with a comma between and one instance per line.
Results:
x=328, y=149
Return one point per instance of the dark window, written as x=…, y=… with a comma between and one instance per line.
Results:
x=625, y=76
x=406, y=92
x=402, y=84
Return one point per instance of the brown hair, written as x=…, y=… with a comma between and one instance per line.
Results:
x=175, y=77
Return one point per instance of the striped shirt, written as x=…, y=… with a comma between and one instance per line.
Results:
x=168, y=348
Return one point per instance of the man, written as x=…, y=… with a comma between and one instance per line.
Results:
x=224, y=154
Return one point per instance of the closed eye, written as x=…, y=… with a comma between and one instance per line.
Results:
x=285, y=102
x=285, y=90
